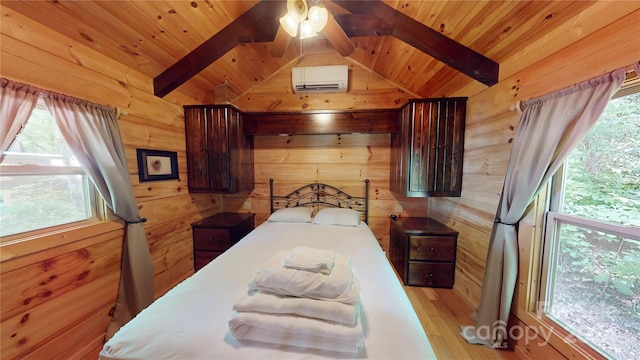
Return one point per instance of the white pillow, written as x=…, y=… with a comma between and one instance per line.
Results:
x=337, y=216
x=295, y=214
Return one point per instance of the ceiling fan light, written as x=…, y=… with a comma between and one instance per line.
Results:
x=289, y=24
x=318, y=16
x=297, y=9
x=306, y=30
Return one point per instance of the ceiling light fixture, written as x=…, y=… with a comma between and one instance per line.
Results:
x=310, y=20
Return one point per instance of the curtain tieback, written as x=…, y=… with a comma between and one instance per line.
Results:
x=499, y=221
x=143, y=220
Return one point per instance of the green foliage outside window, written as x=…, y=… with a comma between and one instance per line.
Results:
x=598, y=275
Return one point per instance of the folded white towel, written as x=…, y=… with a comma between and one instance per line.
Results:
x=340, y=285
x=312, y=308
x=310, y=259
x=296, y=331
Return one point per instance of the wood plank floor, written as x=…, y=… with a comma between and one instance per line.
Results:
x=441, y=312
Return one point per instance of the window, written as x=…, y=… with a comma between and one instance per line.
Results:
x=591, y=269
x=41, y=183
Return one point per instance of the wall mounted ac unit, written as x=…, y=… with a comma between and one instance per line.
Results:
x=320, y=79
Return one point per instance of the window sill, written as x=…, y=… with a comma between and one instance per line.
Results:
x=16, y=246
x=549, y=333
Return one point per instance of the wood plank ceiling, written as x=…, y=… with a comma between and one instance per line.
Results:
x=152, y=36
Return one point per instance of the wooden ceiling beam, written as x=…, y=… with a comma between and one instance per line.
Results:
x=355, y=25
x=427, y=40
x=258, y=24
x=367, y=18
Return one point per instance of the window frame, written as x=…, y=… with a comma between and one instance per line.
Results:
x=534, y=255
x=97, y=207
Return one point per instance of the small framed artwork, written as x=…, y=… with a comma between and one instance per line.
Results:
x=157, y=165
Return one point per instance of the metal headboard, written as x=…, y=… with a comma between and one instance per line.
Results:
x=320, y=195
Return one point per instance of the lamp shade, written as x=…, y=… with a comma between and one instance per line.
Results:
x=306, y=30
x=318, y=16
x=289, y=24
x=297, y=9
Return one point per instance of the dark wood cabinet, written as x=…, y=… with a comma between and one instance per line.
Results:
x=214, y=235
x=219, y=155
x=426, y=155
x=423, y=251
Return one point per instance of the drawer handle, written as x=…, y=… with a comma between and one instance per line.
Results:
x=211, y=240
x=430, y=275
x=432, y=248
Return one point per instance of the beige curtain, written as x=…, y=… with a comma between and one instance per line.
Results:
x=550, y=128
x=93, y=135
x=17, y=101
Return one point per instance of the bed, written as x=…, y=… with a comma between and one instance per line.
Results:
x=193, y=320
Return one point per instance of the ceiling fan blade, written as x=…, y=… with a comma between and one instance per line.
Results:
x=336, y=36
x=280, y=43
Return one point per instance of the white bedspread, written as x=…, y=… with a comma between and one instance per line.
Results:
x=191, y=320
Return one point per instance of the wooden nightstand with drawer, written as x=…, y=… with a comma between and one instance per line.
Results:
x=423, y=251
x=214, y=235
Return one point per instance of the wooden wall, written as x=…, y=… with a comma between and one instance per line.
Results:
x=342, y=160
x=603, y=39
x=491, y=126
x=57, y=292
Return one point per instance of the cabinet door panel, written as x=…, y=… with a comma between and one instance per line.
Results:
x=429, y=148
x=197, y=151
x=218, y=134
x=219, y=155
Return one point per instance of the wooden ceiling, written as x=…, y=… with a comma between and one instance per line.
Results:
x=154, y=36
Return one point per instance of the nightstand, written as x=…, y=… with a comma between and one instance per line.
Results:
x=214, y=235
x=423, y=251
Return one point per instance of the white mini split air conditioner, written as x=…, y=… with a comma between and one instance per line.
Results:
x=320, y=79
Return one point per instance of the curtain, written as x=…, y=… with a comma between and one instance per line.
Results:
x=17, y=101
x=93, y=135
x=550, y=127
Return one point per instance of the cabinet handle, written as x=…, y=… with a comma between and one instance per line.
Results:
x=432, y=249
x=430, y=275
x=211, y=240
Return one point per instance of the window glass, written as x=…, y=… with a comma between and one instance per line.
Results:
x=41, y=182
x=593, y=236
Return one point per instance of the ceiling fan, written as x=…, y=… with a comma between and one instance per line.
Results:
x=363, y=18
x=310, y=17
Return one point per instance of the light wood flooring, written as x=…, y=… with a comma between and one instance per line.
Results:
x=441, y=312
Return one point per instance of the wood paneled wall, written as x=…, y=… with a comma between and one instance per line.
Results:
x=491, y=126
x=343, y=161
x=561, y=61
x=56, y=293
x=366, y=90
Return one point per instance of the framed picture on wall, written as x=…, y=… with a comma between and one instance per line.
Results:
x=156, y=165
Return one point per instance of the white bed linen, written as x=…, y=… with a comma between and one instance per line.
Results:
x=191, y=320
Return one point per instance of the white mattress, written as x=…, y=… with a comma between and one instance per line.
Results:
x=191, y=320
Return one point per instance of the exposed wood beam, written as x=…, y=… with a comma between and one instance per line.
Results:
x=258, y=24
x=368, y=18
x=429, y=41
x=355, y=25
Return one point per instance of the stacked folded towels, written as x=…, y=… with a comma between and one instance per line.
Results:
x=303, y=297
x=310, y=259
